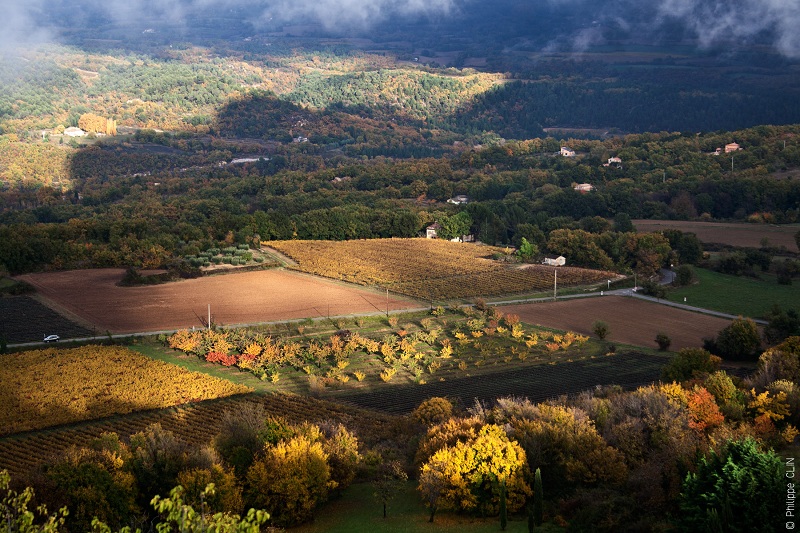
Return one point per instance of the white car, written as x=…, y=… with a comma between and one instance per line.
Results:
x=51, y=338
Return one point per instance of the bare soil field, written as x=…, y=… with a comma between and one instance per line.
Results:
x=732, y=233
x=247, y=297
x=630, y=321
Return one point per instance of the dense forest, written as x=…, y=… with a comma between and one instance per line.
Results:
x=155, y=197
x=280, y=136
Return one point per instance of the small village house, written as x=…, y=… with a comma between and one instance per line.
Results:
x=732, y=147
x=555, y=261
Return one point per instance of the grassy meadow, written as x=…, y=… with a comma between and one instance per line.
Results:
x=737, y=295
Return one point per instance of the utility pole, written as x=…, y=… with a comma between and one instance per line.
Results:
x=209, y=316
x=555, y=283
x=387, y=302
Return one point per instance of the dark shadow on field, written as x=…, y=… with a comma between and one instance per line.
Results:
x=537, y=383
x=24, y=319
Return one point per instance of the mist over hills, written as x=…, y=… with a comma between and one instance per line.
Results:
x=571, y=25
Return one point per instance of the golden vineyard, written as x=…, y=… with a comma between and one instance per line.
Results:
x=429, y=268
x=43, y=388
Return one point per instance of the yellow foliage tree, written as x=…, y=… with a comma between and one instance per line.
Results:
x=290, y=480
x=774, y=407
x=470, y=475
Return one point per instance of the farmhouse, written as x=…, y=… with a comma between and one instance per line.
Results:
x=430, y=231
x=732, y=147
x=555, y=261
x=567, y=152
x=583, y=188
x=613, y=162
x=458, y=199
x=72, y=131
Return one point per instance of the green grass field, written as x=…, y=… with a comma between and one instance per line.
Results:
x=737, y=295
x=357, y=511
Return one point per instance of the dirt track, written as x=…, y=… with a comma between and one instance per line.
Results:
x=630, y=321
x=248, y=297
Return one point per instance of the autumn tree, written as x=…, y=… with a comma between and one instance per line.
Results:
x=565, y=444
x=433, y=411
x=227, y=496
x=471, y=475
x=290, y=480
x=704, y=413
x=157, y=457
x=92, y=482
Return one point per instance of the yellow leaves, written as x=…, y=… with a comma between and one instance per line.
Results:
x=424, y=268
x=674, y=393
x=388, y=374
x=789, y=433
x=453, y=475
x=387, y=350
x=253, y=349
x=57, y=386
x=773, y=407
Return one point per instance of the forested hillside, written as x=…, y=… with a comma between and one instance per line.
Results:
x=156, y=197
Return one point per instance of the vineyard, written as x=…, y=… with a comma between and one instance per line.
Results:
x=537, y=383
x=428, y=268
x=195, y=424
x=27, y=320
x=418, y=350
x=44, y=388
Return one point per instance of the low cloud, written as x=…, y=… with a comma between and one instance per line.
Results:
x=577, y=22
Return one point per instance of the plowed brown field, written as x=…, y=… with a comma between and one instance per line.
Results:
x=732, y=233
x=247, y=297
x=630, y=321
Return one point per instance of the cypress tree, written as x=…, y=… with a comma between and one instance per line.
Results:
x=538, y=504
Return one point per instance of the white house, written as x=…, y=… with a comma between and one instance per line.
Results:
x=567, y=152
x=72, y=131
x=458, y=199
x=555, y=261
x=583, y=187
x=430, y=231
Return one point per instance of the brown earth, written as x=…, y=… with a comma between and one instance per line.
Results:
x=732, y=233
x=248, y=297
x=630, y=321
